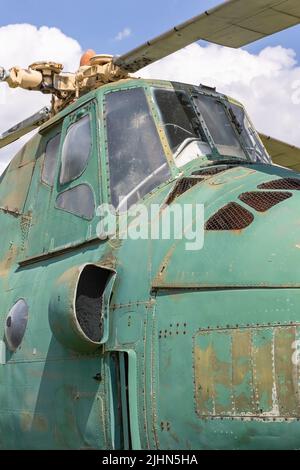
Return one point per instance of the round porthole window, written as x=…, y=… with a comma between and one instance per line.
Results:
x=16, y=323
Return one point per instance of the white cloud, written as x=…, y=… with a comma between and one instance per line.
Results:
x=23, y=44
x=263, y=83
x=123, y=34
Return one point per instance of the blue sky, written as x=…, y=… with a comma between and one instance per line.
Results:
x=95, y=24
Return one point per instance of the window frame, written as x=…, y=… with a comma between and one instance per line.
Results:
x=89, y=108
x=63, y=229
x=267, y=158
x=219, y=149
x=8, y=342
x=58, y=131
x=160, y=116
x=69, y=121
x=173, y=169
x=80, y=216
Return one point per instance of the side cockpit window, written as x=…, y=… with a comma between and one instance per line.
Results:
x=77, y=198
x=50, y=160
x=78, y=201
x=76, y=150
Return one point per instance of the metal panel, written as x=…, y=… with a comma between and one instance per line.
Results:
x=247, y=373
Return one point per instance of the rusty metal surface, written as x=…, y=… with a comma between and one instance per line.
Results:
x=248, y=372
x=211, y=171
x=238, y=364
x=263, y=201
x=283, y=183
x=182, y=186
x=230, y=217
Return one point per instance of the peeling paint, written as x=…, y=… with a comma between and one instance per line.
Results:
x=255, y=369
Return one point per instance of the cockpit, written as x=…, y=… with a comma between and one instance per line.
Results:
x=154, y=132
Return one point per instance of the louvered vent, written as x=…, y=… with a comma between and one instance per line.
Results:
x=263, y=201
x=230, y=217
x=210, y=171
x=292, y=184
x=181, y=187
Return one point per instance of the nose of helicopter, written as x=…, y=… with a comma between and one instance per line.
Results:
x=252, y=236
x=228, y=317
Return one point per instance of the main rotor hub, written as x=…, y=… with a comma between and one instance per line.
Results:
x=48, y=78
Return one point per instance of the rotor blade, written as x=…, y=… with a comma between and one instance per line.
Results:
x=282, y=154
x=234, y=24
x=24, y=127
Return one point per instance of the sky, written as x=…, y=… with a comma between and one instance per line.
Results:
x=265, y=76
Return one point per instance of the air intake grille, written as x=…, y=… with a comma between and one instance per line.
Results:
x=181, y=187
x=263, y=201
x=293, y=184
x=210, y=171
x=230, y=217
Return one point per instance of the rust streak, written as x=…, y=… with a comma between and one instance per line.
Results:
x=287, y=380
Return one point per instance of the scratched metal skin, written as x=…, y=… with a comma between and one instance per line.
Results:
x=209, y=334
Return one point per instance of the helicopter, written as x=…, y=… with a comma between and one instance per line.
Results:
x=115, y=343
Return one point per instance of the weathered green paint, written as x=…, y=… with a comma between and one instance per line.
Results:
x=209, y=335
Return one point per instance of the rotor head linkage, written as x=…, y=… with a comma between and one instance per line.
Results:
x=48, y=78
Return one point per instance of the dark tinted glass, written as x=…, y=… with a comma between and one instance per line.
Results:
x=136, y=158
x=78, y=201
x=179, y=117
x=51, y=153
x=76, y=150
x=16, y=323
x=217, y=121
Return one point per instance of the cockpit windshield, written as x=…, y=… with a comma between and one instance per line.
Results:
x=137, y=162
x=219, y=125
x=194, y=123
x=198, y=125
x=179, y=117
